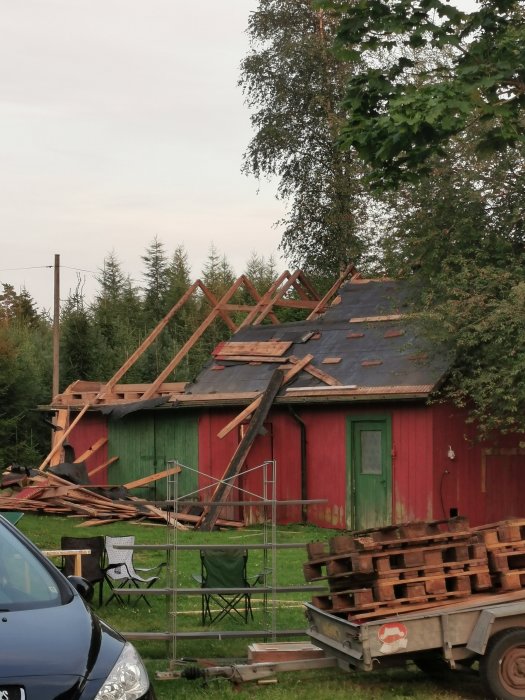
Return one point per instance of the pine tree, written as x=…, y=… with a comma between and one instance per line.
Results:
x=115, y=313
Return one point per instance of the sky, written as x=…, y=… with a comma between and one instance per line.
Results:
x=122, y=121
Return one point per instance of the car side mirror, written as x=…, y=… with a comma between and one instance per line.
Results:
x=82, y=587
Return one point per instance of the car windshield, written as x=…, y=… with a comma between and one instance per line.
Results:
x=25, y=582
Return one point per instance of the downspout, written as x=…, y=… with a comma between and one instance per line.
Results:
x=304, y=487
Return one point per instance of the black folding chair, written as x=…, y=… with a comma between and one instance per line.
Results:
x=226, y=568
x=92, y=564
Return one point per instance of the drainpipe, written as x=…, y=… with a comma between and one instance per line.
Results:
x=304, y=488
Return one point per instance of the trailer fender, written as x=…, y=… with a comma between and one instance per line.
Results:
x=482, y=630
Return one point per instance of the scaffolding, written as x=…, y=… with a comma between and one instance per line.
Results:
x=266, y=503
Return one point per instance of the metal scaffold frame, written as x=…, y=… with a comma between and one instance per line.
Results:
x=266, y=502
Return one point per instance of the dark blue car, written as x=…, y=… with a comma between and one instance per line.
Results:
x=52, y=645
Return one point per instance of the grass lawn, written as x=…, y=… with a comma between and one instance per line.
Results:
x=328, y=684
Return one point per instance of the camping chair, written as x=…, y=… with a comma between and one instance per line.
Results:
x=120, y=572
x=225, y=568
x=92, y=564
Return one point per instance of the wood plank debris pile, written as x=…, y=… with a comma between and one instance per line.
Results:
x=45, y=492
x=414, y=566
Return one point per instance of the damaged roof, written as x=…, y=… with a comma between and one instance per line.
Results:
x=364, y=346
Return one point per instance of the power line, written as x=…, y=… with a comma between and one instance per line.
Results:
x=35, y=267
x=47, y=267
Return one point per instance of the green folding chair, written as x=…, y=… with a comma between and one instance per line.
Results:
x=225, y=568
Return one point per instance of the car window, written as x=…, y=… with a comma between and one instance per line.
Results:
x=25, y=582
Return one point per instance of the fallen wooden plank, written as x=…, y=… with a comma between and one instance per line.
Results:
x=98, y=469
x=153, y=477
x=320, y=374
x=91, y=450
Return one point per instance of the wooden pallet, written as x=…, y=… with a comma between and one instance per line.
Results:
x=384, y=571
x=382, y=561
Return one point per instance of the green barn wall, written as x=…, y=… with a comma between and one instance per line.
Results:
x=146, y=441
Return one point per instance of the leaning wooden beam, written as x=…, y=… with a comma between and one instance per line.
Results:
x=224, y=487
x=350, y=269
x=153, y=477
x=61, y=421
x=100, y=467
x=191, y=342
x=300, y=365
x=58, y=444
x=91, y=450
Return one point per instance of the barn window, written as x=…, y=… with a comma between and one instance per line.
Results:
x=371, y=452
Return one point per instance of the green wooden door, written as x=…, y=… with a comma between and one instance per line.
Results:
x=369, y=482
x=177, y=439
x=131, y=439
x=145, y=442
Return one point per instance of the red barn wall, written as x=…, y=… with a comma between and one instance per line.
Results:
x=411, y=463
x=486, y=480
x=327, y=460
x=88, y=430
x=282, y=443
x=326, y=464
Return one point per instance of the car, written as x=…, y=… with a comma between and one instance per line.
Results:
x=52, y=644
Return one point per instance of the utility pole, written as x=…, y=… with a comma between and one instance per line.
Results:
x=56, y=328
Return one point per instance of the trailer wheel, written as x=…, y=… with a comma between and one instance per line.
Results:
x=502, y=668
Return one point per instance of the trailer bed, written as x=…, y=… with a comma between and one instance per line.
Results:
x=454, y=632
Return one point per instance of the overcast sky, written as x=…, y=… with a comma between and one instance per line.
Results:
x=121, y=120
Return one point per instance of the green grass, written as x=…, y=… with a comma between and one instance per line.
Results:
x=329, y=684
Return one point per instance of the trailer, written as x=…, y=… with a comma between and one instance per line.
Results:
x=488, y=628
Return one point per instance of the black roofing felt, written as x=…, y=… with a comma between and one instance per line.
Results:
x=396, y=355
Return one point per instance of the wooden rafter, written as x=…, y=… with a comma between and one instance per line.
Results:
x=263, y=301
x=216, y=304
x=191, y=342
x=280, y=292
x=349, y=270
x=147, y=342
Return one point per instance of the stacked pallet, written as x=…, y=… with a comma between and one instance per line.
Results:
x=505, y=545
x=400, y=568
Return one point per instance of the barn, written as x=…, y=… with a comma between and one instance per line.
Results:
x=353, y=425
